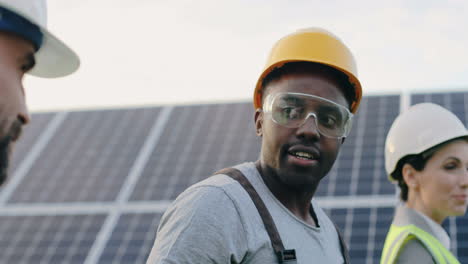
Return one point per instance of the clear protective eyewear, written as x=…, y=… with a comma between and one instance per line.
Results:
x=293, y=109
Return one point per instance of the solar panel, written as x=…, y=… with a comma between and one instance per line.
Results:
x=88, y=159
x=456, y=102
x=359, y=169
x=459, y=234
x=29, y=136
x=47, y=239
x=132, y=239
x=91, y=186
x=197, y=141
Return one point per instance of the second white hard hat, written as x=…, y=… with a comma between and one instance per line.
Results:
x=420, y=128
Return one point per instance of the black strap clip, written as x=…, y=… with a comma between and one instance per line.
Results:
x=287, y=256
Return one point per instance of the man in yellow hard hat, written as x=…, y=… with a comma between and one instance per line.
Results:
x=263, y=212
x=26, y=46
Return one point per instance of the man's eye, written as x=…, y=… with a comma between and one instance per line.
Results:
x=291, y=112
x=328, y=120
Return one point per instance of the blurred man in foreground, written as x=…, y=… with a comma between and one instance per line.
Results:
x=26, y=47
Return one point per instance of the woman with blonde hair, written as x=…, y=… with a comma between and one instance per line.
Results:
x=426, y=154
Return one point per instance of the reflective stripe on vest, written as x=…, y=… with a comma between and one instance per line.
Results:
x=398, y=236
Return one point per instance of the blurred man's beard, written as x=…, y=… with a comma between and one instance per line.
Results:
x=6, y=143
x=4, y=158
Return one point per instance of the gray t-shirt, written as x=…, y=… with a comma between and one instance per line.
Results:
x=215, y=221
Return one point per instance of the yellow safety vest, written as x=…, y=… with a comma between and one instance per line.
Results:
x=398, y=236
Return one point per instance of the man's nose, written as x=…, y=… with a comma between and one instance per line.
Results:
x=309, y=128
x=24, y=118
x=23, y=113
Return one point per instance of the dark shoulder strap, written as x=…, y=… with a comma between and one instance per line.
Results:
x=284, y=255
x=343, y=247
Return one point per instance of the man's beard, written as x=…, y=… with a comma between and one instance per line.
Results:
x=5, y=147
x=4, y=157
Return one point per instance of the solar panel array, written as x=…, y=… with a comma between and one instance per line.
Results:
x=91, y=186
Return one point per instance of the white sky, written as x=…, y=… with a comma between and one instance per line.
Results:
x=153, y=52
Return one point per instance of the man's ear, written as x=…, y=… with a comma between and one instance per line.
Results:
x=410, y=176
x=258, y=122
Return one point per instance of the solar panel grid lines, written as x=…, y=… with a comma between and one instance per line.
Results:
x=225, y=151
x=56, y=238
x=405, y=101
x=137, y=253
x=67, y=159
x=12, y=240
x=227, y=128
x=75, y=248
x=330, y=180
x=379, y=147
x=465, y=108
x=448, y=102
x=203, y=156
x=250, y=145
x=52, y=177
x=39, y=122
x=116, y=141
x=129, y=184
x=361, y=122
x=461, y=237
x=360, y=251
x=48, y=239
x=385, y=217
x=452, y=230
x=148, y=238
x=145, y=238
x=371, y=236
x=131, y=243
x=145, y=187
x=26, y=164
x=378, y=163
x=10, y=248
x=121, y=249
x=87, y=148
x=144, y=154
x=102, y=237
x=141, y=193
x=118, y=128
x=36, y=236
x=184, y=152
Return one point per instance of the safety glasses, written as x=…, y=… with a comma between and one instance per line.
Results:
x=293, y=109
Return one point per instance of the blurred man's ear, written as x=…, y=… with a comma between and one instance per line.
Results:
x=258, y=118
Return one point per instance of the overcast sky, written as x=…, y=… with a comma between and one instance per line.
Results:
x=153, y=52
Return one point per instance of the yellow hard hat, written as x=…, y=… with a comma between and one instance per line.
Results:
x=312, y=45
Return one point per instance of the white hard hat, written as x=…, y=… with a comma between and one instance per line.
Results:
x=420, y=128
x=54, y=58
